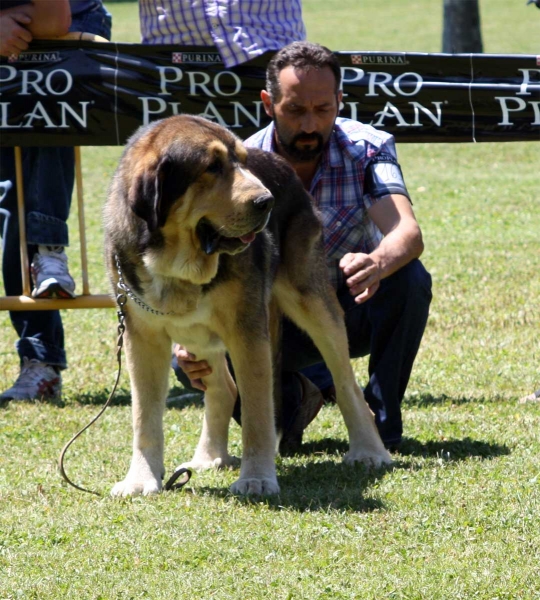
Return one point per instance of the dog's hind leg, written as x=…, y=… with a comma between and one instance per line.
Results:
x=148, y=359
x=219, y=399
x=317, y=311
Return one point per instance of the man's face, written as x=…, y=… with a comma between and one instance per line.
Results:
x=305, y=113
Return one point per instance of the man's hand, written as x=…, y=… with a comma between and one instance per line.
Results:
x=40, y=19
x=402, y=242
x=14, y=35
x=193, y=368
x=362, y=274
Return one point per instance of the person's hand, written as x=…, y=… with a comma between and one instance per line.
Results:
x=362, y=275
x=14, y=36
x=193, y=368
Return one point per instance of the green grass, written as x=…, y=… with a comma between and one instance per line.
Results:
x=416, y=25
x=455, y=517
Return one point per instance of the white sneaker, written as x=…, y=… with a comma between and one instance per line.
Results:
x=37, y=381
x=50, y=274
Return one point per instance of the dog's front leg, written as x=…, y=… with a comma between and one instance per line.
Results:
x=148, y=360
x=252, y=361
x=219, y=399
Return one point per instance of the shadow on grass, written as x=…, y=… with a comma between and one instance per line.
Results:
x=321, y=486
x=122, y=397
x=58, y=403
x=425, y=400
x=452, y=450
x=326, y=485
x=177, y=398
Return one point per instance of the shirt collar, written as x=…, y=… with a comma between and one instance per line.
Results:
x=268, y=142
x=341, y=147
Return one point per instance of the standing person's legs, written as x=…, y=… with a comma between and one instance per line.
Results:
x=96, y=20
x=48, y=177
x=47, y=201
x=47, y=182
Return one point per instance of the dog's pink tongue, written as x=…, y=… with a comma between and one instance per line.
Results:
x=248, y=238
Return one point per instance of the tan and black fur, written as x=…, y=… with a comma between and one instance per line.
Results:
x=220, y=241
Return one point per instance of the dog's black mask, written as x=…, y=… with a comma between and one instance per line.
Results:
x=208, y=236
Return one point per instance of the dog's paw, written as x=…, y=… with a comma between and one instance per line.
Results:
x=255, y=487
x=203, y=464
x=131, y=487
x=369, y=459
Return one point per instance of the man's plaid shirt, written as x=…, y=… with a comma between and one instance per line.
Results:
x=338, y=188
x=240, y=29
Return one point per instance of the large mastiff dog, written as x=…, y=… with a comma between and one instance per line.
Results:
x=214, y=242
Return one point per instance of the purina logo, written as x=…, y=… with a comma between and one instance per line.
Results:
x=378, y=59
x=35, y=57
x=187, y=58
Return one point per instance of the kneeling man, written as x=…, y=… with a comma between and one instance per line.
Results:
x=373, y=243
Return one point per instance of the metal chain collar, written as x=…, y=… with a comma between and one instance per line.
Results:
x=121, y=285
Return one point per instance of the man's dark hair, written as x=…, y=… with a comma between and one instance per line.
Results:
x=303, y=56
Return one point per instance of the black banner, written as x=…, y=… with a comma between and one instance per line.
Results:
x=84, y=93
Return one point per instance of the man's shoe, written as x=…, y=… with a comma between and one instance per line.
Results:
x=535, y=397
x=311, y=402
x=392, y=446
x=185, y=397
x=36, y=381
x=50, y=274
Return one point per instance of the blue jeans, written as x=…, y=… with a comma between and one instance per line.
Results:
x=48, y=177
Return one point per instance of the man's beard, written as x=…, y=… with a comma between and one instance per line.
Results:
x=301, y=154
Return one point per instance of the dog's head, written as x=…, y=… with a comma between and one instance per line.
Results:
x=189, y=178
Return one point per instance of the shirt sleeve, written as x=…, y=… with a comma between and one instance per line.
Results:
x=383, y=176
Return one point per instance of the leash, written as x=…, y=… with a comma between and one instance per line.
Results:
x=121, y=300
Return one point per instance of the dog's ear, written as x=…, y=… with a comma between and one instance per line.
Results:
x=157, y=189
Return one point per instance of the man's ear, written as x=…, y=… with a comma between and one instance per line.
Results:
x=339, y=99
x=267, y=103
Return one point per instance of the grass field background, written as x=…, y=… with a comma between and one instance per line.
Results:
x=457, y=514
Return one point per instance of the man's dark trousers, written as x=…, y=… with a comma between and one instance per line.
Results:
x=389, y=327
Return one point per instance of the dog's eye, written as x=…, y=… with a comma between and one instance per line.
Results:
x=215, y=167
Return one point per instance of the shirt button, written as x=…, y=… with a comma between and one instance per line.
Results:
x=339, y=223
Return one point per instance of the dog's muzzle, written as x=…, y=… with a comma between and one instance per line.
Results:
x=215, y=239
